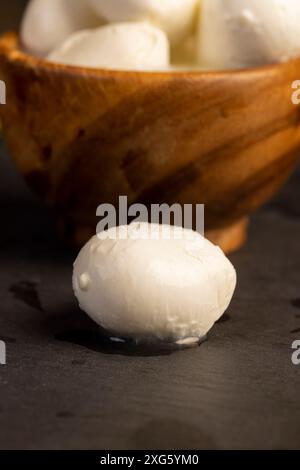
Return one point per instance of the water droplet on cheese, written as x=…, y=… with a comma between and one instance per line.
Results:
x=84, y=281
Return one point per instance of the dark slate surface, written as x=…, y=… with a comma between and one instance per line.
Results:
x=61, y=389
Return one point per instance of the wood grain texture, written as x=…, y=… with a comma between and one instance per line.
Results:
x=82, y=137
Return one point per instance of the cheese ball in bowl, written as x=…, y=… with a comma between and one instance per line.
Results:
x=176, y=17
x=46, y=23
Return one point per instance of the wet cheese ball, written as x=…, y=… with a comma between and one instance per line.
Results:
x=149, y=285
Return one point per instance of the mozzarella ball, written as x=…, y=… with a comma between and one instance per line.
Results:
x=175, y=17
x=46, y=23
x=160, y=287
x=127, y=46
x=245, y=33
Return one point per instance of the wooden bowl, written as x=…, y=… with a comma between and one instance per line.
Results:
x=82, y=137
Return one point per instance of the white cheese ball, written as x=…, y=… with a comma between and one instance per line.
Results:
x=243, y=33
x=175, y=17
x=165, y=289
x=46, y=23
x=185, y=53
x=120, y=46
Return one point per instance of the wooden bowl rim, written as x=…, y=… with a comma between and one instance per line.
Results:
x=10, y=49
